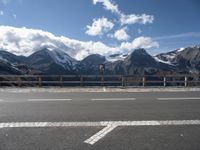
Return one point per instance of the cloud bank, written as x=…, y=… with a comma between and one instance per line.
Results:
x=24, y=41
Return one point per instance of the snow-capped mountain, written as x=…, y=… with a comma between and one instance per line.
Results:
x=139, y=62
x=52, y=62
x=57, y=62
x=59, y=57
x=185, y=59
x=169, y=56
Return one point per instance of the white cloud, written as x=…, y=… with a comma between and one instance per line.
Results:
x=133, y=19
x=140, y=42
x=108, y=5
x=121, y=34
x=125, y=19
x=99, y=26
x=1, y=13
x=182, y=35
x=23, y=41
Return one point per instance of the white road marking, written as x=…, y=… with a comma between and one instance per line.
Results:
x=42, y=100
x=99, y=135
x=114, y=99
x=179, y=98
x=109, y=125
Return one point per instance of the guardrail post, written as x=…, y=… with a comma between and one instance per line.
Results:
x=19, y=81
x=143, y=81
x=102, y=80
x=40, y=81
x=186, y=81
x=81, y=81
x=61, y=81
x=164, y=81
x=123, y=81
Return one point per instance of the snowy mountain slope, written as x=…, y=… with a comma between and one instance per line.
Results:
x=57, y=62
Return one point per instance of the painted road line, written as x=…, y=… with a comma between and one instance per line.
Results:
x=179, y=98
x=42, y=100
x=99, y=135
x=104, y=89
x=114, y=99
x=108, y=125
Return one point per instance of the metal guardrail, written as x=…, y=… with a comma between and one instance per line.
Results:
x=100, y=80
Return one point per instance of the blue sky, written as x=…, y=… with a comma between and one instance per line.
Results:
x=171, y=23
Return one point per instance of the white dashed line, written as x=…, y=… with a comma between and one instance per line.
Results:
x=42, y=100
x=109, y=125
x=179, y=98
x=114, y=99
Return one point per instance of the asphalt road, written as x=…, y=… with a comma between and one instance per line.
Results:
x=28, y=120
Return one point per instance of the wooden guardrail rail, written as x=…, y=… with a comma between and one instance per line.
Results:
x=100, y=80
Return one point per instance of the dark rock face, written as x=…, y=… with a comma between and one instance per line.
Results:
x=7, y=68
x=90, y=65
x=6, y=56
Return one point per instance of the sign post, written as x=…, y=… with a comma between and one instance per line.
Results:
x=102, y=71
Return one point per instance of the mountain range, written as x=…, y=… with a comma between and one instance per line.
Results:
x=57, y=62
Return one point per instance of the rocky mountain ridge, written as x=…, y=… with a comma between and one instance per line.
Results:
x=57, y=62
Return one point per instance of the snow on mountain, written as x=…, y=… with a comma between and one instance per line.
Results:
x=161, y=61
x=169, y=56
x=63, y=59
x=2, y=59
x=180, y=50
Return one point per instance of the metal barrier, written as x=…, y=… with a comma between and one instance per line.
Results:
x=99, y=80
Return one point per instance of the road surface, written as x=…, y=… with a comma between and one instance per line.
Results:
x=99, y=120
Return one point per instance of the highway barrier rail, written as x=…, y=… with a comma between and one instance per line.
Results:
x=100, y=80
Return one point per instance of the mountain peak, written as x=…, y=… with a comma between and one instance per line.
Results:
x=139, y=54
x=94, y=59
x=140, y=51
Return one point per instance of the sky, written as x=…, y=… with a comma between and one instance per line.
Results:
x=83, y=27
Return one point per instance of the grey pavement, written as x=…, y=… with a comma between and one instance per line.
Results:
x=43, y=105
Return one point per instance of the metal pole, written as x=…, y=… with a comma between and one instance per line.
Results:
x=81, y=80
x=122, y=81
x=164, y=81
x=61, y=81
x=19, y=81
x=143, y=81
x=40, y=81
x=102, y=79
